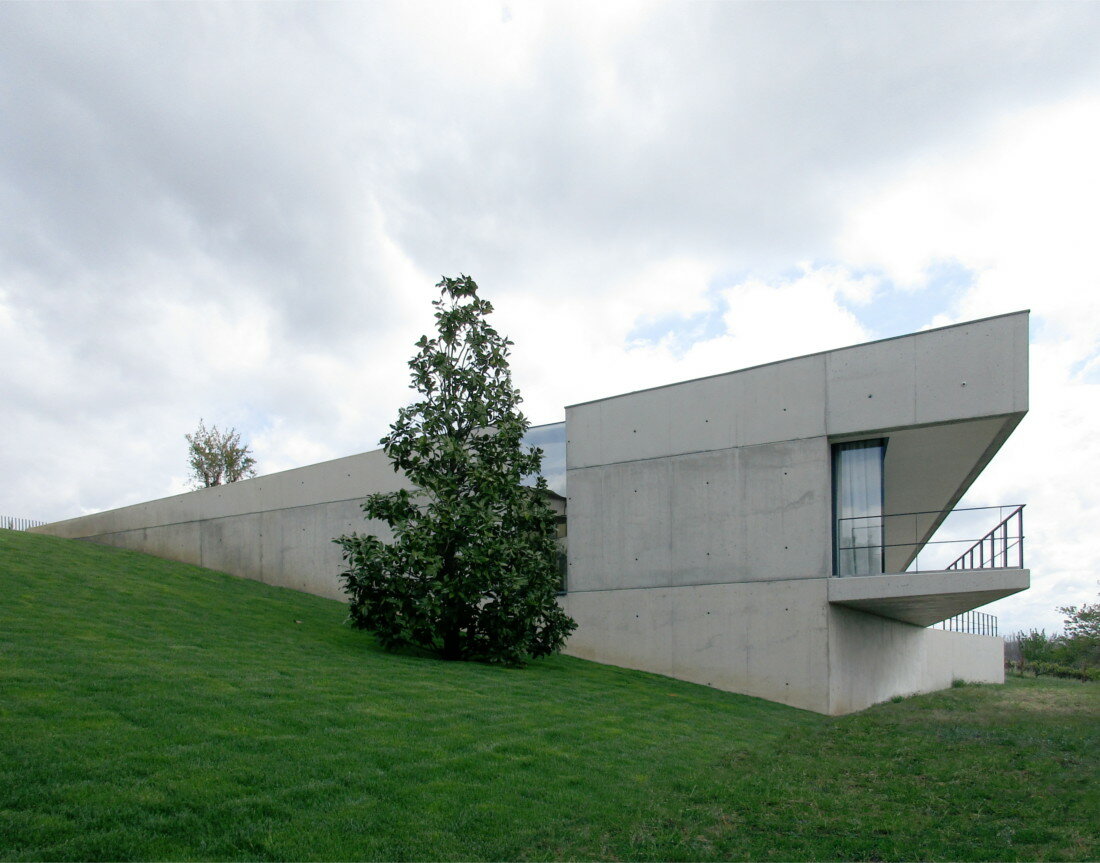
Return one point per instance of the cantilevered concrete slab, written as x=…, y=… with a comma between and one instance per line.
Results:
x=925, y=598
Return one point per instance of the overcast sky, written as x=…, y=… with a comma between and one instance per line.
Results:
x=239, y=211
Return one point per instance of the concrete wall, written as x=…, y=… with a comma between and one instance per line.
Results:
x=872, y=659
x=276, y=528
x=778, y=640
x=752, y=513
x=768, y=639
x=700, y=515
x=939, y=376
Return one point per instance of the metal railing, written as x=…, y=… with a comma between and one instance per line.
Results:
x=10, y=522
x=930, y=541
x=972, y=622
x=996, y=545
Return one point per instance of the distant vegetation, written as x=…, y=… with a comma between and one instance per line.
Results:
x=1074, y=653
x=158, y=711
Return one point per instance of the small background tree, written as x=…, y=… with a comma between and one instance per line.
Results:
x=1082, y=638
x=1073, y=653
x=218, y=457
x=471, y=571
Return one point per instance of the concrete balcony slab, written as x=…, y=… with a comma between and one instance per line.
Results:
x=924, y=598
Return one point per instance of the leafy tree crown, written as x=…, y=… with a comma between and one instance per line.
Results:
x=470, y=569
x=216, y=457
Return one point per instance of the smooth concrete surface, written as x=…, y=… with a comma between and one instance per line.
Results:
x=924, y=598
x=775, y=402
x=349, y=478
x=764, y=639
x=276, y=528
x=976, y=369
x=743, y=514
x=873, y=659
x=937, y=376
x=777, y=640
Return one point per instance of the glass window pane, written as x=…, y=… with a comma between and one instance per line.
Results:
x=551, y=440
x=857, y=485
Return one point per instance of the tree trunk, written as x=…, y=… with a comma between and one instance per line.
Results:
x=452, y=614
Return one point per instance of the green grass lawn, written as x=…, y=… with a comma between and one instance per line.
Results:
x=156, y=711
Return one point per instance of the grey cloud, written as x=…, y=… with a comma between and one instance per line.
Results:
x=138, y=133
x=258, y=135
x=247, y=157
x=735, y=127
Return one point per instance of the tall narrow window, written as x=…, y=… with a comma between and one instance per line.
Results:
x=857, y=504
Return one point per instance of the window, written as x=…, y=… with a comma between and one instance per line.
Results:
x=857, y=507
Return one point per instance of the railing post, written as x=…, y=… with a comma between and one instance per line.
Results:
x=1020, y=516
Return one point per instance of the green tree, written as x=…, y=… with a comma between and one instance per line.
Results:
x=218, y=457
x=1082, y=633
x=1036, y=645
x=471, y=569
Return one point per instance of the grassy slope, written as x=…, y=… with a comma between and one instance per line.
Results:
x=151, y=710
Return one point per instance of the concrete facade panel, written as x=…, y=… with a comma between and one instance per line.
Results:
x=180, y=542
x=746, y=514
x=634, y=427
x=776, y=402
x=971, y=370
x=780, y=401
x=584, y=436
x=706, y=545
x=767, y=640
x=231, y=544
x=786, y=509
x=702, y=414
x=297, y=547
x=955, y=656
x=960, y=372
x=870, y=387
x=620, y=526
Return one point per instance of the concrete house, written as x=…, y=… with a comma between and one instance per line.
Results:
x=759, y=531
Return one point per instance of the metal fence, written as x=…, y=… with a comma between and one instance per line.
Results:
x=972, y=622
x=1001, y=547
x=958, y=539
x=10, y=522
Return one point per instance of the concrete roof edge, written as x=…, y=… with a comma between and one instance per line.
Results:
x=801, y=357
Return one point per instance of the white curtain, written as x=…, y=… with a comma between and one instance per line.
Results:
x=858, y=479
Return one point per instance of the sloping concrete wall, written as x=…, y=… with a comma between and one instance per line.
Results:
x=276, y=528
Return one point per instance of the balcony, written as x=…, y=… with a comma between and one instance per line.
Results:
x=891, y=569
